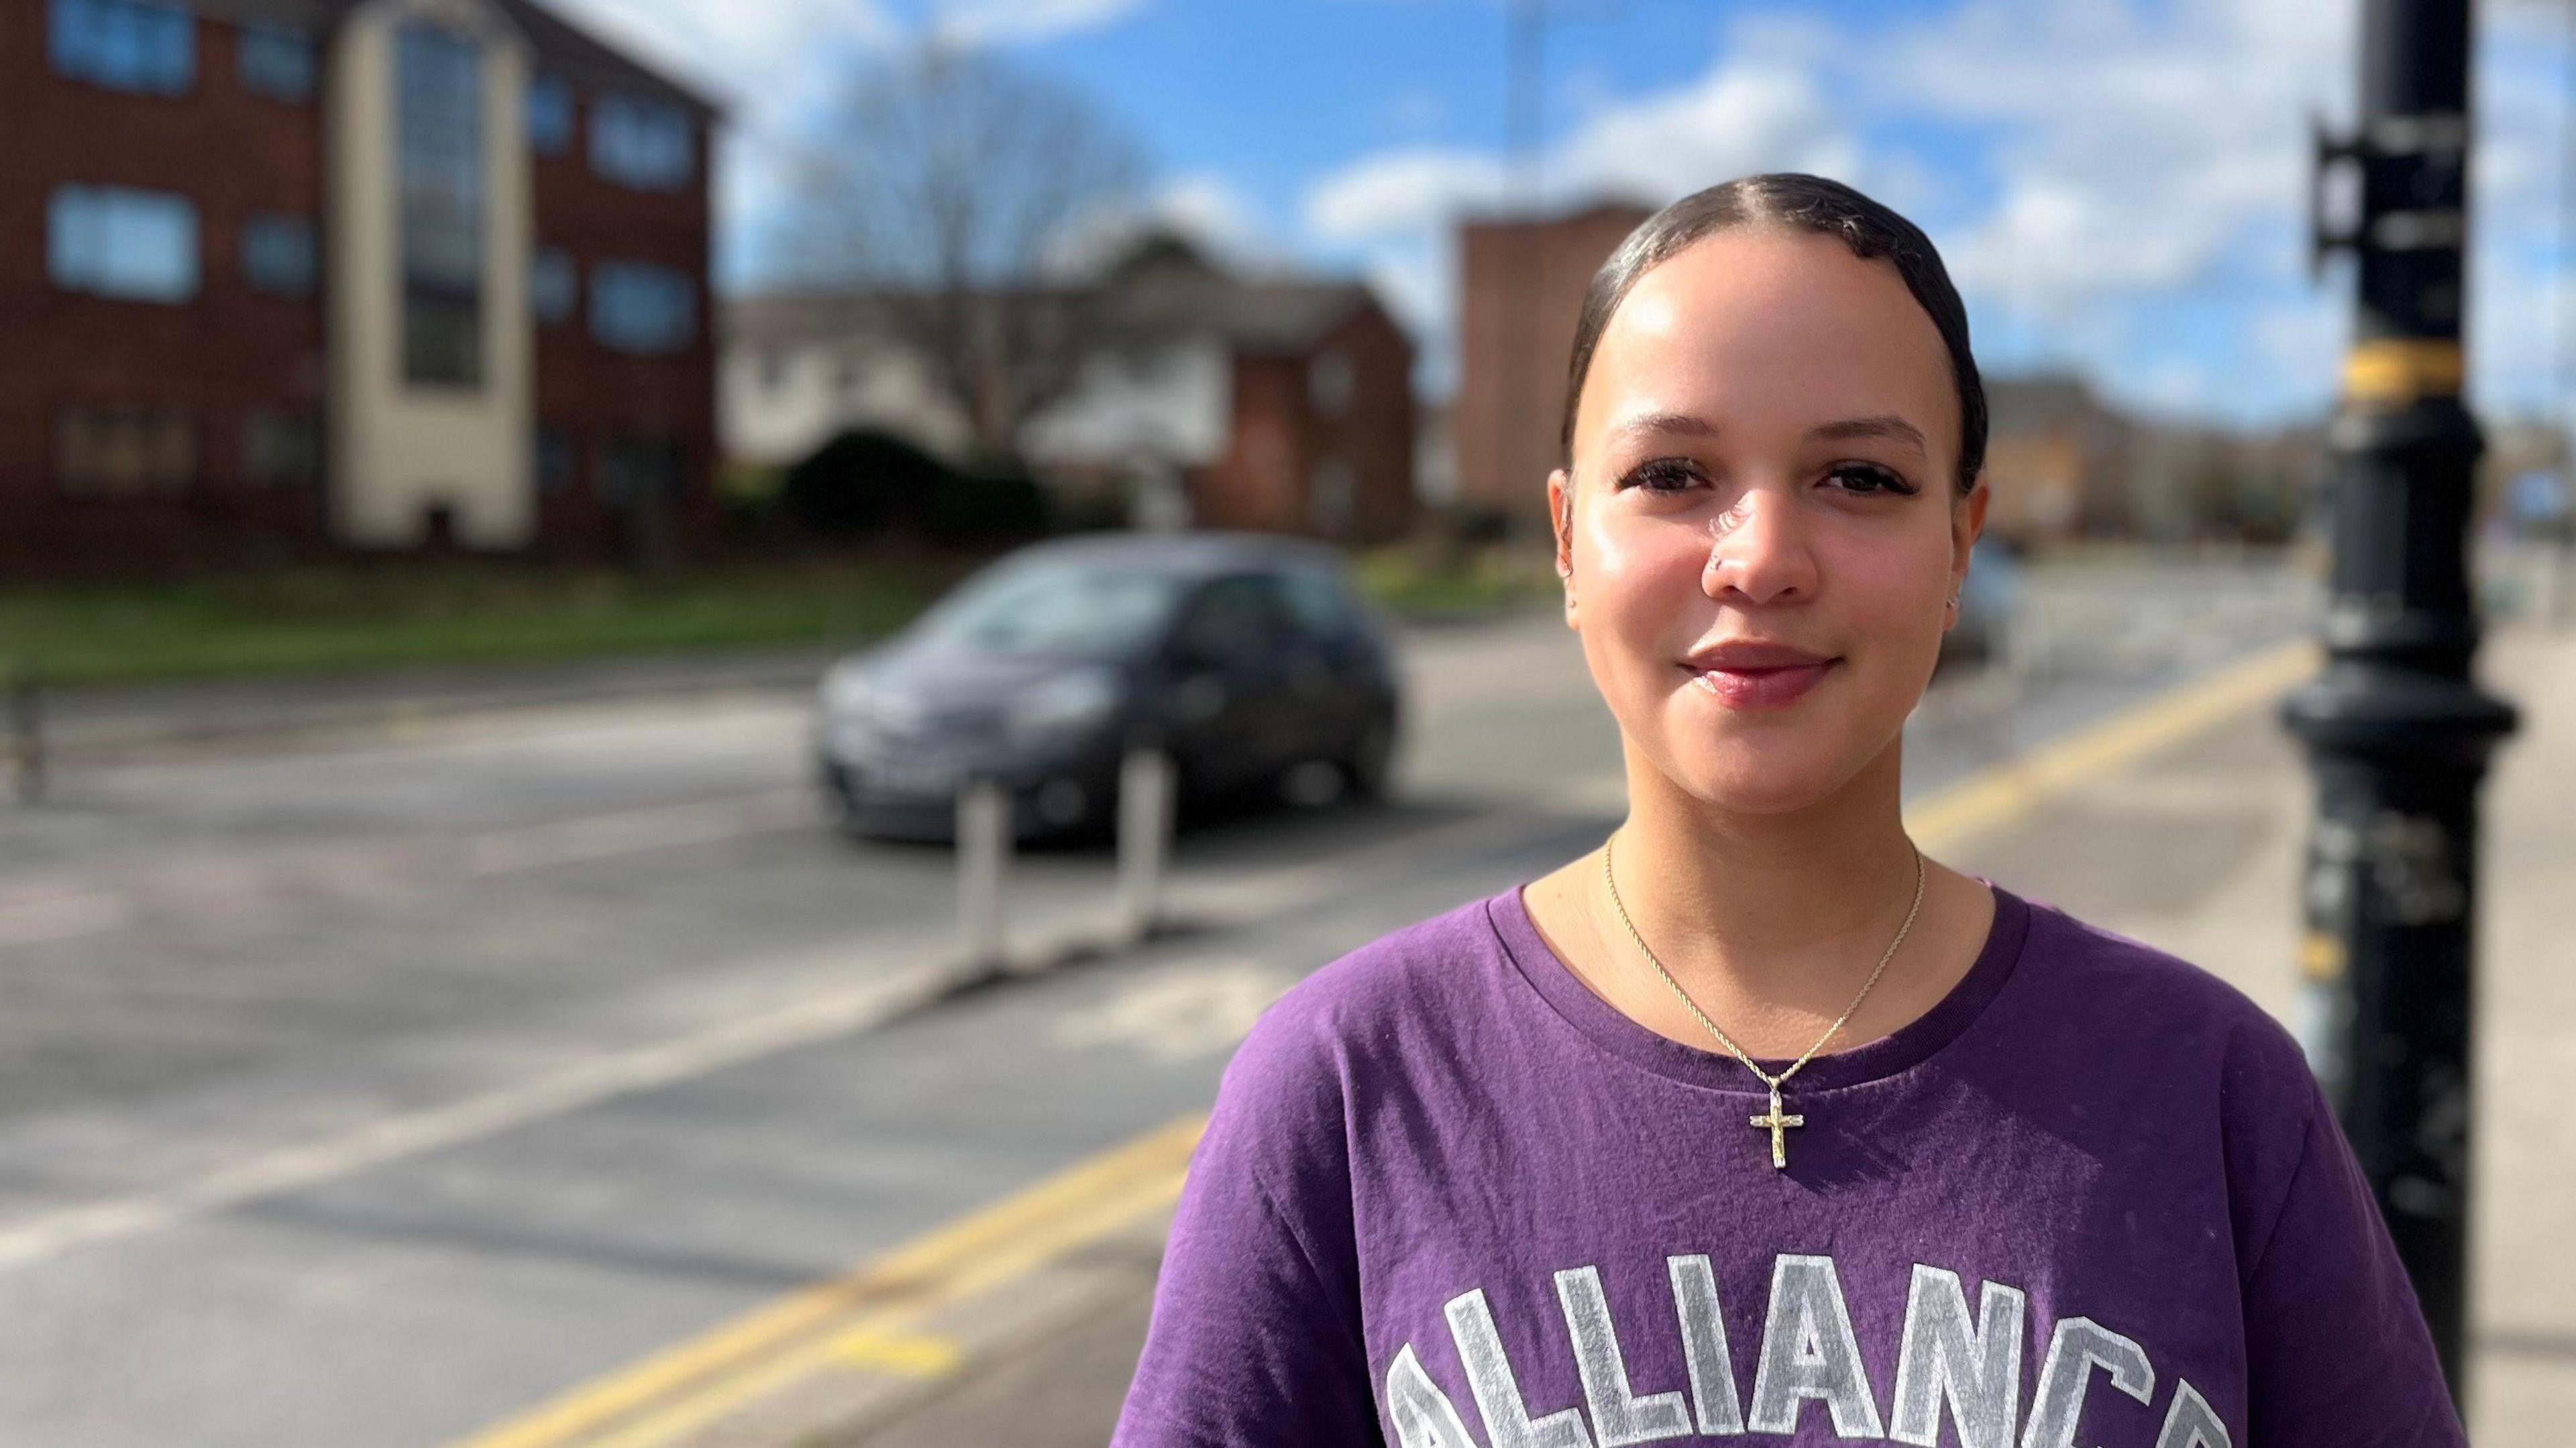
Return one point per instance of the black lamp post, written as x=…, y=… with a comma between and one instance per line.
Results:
x=2397, y=734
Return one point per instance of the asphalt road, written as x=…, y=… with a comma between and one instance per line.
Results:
x=368, y=1095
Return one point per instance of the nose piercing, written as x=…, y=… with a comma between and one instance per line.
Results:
x=1722, y=525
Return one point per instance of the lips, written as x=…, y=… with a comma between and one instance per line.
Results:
x=1752, y=675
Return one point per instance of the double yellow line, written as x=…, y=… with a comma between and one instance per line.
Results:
x=1995, y=797
x=872, y=1317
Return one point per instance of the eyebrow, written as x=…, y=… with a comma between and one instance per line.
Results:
x=1885, y=425
x=1645, y=423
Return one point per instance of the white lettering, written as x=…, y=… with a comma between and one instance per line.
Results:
x=1498, y=1393
x=1712, y=1373
x=1978, y=1369
x=2078, y=1346
x=1808, y=1351
x=1424, y=1417
x=1619, y=1416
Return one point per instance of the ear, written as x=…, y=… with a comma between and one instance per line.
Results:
x=1967, y=524
x=1560, y=514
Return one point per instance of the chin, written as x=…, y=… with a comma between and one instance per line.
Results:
x=1763, y=787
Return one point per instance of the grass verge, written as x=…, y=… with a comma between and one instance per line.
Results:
x=336, y=617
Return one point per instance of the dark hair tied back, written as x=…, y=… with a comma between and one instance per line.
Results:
x=1806, y=203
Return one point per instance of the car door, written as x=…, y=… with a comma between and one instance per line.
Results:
x=1233, y=690
x=1333, y=667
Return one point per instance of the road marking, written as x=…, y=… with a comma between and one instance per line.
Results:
x=873, y=1311
x=591, y=838
x=904, y=1354
x=241, y=887
x=67, y=916
x=410, y=1133
x=1181, y=1011
x=1997, y=796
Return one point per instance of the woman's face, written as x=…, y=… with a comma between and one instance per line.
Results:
x=1765, y=450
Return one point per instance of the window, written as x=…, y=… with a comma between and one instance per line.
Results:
x=549, y=115
x=281, y=449
x=644, y=144
x=1235, y=620
x=275, y=63
x=125, y=45
x=639, y=307
x=553, y=462
x=118, y=242
x=279, y=254
x=1320, y=605
x=554, y=285
x=440, y=119
x=118, y=452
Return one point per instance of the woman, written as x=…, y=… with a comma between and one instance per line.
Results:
x=1755, y=1121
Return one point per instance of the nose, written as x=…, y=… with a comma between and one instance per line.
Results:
x=1758, y=552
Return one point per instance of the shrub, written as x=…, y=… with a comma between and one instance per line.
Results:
x=864, y=481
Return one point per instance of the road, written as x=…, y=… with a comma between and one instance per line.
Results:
x=372, y=1094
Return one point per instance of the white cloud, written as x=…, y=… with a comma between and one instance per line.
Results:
x=1209, y=209
x=1020, y=22
x=2095, y=171
x=1395, y=193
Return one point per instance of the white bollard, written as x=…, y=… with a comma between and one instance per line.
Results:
x=1144, y=840
x=983, y=854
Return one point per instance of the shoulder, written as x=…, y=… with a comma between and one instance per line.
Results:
x=2154, y=996
x=2198, y=1067
x=1352, y=1013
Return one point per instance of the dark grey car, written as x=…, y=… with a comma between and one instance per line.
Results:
x=1244, y=655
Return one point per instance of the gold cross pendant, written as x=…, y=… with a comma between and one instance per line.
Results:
x=1776, y=1123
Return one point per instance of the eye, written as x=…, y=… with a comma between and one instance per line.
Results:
x=1662, y=475
x=1868, y=480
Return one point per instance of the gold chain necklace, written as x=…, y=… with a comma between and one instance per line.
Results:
x=1775, y=1121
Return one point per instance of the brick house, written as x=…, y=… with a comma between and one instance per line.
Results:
x=1282, y=404
x=282, y=276
x=1521, y=283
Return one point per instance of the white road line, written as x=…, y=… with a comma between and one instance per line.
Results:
x=67, y=916
x=235, y=886
x=411, y=1133
x=637, y=831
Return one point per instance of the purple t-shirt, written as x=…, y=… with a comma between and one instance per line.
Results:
x=1450, y=1198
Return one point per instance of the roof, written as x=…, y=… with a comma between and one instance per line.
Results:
x=561, y=47
x=592, y=64
x=1161, y=287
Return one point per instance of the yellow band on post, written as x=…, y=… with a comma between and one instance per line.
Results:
x=2394, y=371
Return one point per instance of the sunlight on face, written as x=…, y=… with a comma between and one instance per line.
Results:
x=1764, y=450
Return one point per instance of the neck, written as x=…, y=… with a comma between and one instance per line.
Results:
x=1785, y=912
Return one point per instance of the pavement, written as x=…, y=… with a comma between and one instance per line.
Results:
x=270, y=711
x=2178, y=824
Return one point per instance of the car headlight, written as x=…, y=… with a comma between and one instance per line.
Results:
x=1065, y=704
x=846, y=693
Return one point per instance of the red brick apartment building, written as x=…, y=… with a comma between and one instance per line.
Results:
x=1521, y=283
x=280, y=276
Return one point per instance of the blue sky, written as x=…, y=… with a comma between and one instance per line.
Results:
x=2117, y=185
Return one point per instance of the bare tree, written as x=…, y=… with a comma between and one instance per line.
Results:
x=949, y=187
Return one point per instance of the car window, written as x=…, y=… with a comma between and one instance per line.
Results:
x=1318, y=604
x=1234, y=618
x=1057, y=610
